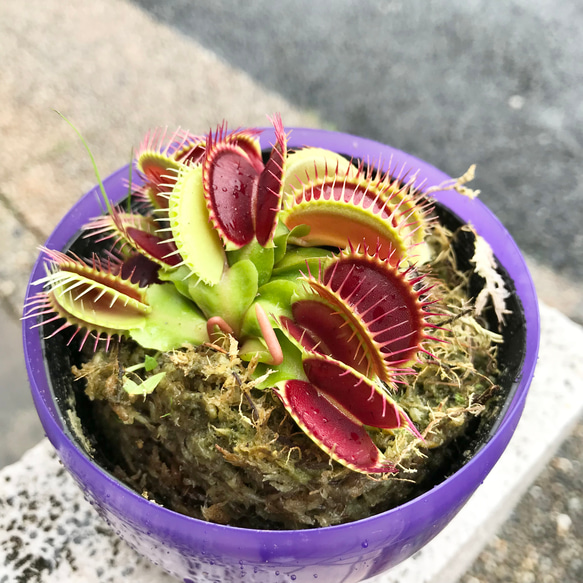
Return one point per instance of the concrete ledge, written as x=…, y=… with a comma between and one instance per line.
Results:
x=49, y=533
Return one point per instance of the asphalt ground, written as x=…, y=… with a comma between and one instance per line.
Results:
x=454, y=82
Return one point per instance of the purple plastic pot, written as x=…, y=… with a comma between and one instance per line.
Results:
x=199, y=551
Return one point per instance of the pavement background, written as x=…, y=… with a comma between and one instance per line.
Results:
x=452, y=82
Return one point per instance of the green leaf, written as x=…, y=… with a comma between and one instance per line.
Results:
x=150, y=363
x=254, y=347
x=261, y=257
x=231, y=298
x=291, y=368
x=173, y=321
x=194, y=235
x=275, y=298
x=179, y=276
x=282, y=234
x=145, y=387
x=294, y=262
x=280, y=240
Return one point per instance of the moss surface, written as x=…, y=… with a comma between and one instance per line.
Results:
x=208, y=444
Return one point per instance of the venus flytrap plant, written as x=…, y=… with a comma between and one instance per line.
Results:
x=316, y=265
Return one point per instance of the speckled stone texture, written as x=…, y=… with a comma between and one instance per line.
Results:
x=49, y=534
x=542, y=542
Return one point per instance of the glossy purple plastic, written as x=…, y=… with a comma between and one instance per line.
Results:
x=194, y=550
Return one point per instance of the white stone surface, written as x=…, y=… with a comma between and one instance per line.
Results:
x=49, y=534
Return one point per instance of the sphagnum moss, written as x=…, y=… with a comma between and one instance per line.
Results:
x=211, y=445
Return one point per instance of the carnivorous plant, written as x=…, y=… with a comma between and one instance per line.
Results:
x=317, y=265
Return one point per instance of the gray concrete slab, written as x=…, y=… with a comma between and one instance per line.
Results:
x=21, y=428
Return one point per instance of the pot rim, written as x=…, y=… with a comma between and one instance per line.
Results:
x=473, y=471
